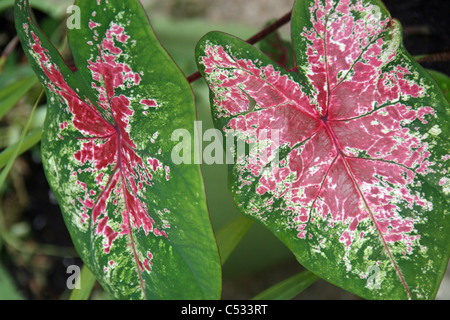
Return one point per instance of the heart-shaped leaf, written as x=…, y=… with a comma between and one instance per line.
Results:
x=346, y=159
x=139, y=221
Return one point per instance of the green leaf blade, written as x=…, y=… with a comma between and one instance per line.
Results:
x=12, y=93
x=138, y=220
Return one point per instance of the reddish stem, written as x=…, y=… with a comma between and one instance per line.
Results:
x=10, y=46
x=254, y=39
x=270, y=28
x=435, y=57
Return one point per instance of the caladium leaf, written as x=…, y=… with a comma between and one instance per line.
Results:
x=277, y=49
x=138, y=221
x=346, y=159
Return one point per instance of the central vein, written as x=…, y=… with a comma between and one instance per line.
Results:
x=332, y=135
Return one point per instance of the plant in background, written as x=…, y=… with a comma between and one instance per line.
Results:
x=359, y=191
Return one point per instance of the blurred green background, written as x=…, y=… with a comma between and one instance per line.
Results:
x=35, y=248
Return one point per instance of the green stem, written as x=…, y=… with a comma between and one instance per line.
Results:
x=85, y=283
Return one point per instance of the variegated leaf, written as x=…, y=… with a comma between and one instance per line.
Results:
x=347, y=157
x=139, y=221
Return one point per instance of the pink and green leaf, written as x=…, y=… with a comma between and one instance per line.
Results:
x=139, y=221
x=348, y=154
x=442, y=80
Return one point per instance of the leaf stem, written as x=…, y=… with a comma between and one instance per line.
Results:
x=254, y=39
